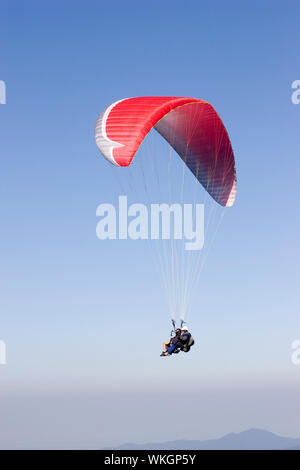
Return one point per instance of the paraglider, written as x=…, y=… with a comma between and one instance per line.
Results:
x=195, y=131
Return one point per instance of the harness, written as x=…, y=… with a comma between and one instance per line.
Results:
x=187, y=346
x=189, y=343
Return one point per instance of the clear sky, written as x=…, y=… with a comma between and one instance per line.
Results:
x=83, y=319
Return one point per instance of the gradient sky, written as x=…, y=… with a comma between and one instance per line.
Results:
x=82, y=319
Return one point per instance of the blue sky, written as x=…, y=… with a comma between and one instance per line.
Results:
x=82, y=319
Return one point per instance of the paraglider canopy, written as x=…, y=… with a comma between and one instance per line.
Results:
x=195, y=131
x=191, y=126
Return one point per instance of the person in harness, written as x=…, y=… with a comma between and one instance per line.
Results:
x=182, y=341
x=172, y=344
x=186, y=339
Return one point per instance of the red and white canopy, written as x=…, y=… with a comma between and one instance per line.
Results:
x=191, y=126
